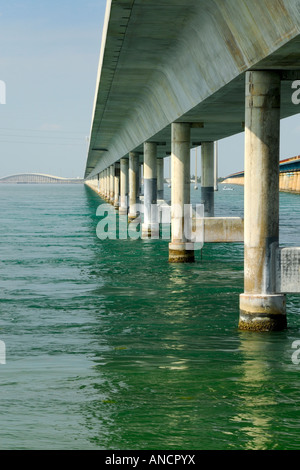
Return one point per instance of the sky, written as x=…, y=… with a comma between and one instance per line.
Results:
x=48, y=61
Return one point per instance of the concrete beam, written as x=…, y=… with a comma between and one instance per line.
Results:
x=221, y=229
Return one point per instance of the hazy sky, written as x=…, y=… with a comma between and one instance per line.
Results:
x=48, y=60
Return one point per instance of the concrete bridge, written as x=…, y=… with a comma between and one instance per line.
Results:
x=38, y=178
x=175, y=75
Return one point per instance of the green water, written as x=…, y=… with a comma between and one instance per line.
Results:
x=108, y=346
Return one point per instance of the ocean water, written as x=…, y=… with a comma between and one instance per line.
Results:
x=108, y=346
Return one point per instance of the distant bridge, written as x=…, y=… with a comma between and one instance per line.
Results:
x=38, y=178
x=289, y=175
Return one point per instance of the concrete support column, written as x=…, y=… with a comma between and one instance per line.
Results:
x=117, y=185
x=150, y=226
x=180, y=248
x=208, y=178
x=112, y=184
x=105, y=183
x=141, y=179
x=100, y=183
x=261, y=308
x=123, y=209
x=133, y=184
x=160, y=178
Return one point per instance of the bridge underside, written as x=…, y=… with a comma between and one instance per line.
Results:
x=179, y=73
x=185, y=61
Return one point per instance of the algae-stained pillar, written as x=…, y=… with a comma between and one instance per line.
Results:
x=133, y=184
x=150, y=226
x=123, y=209
x=160, y=178
x=261, y=308
x=208, y=178
x=181, y=250
x=117, y=185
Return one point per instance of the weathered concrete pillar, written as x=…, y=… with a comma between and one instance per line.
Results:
x=108, y=184
x=160, y=178
x=102, y=183
x=98, y=183
x=117, y=185
x=112, y=184
x=141, y=179
x=105, y=184
x=180, y=248
x=261, y=308
x=208, y=178
x=150, y=226
x=133, y=184
x=123, y=209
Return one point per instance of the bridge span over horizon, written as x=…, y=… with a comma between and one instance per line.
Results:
x=38, y=178
x=175, y=75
